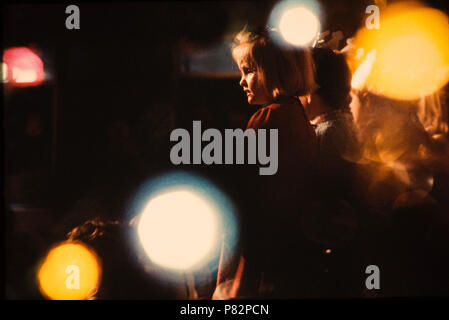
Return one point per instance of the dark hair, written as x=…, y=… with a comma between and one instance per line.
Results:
x=333, y=77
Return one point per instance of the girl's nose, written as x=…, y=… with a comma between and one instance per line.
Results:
x=242, y=81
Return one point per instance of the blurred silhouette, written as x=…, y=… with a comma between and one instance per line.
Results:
x=124, y=274
x=328, y=110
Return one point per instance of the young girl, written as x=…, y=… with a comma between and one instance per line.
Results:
x=273, y=76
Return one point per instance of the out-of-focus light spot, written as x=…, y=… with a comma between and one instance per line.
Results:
x=182, y=220
x=71, y=271
x=328, y=251
x=4, y=72
x=388, y=151
x=430, y=182
x=299, y=26
x=412, y=51
x=178, y=229
x=359, y=54
x=24, y=66
x=24, y=76
x=363, y=71
x=297, y=21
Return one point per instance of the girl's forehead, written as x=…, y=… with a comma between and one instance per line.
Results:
x=243, y=61
x=242, y=56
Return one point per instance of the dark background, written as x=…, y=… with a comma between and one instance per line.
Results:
x=115, y=93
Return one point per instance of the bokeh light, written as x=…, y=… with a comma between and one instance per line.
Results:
x=297, y=21
x=412, y=52
x=71, y=271
x=299, y=26
x=182, y=219
x=178, y=228
x=363, y=71
x=23, y=67
x=4, y=72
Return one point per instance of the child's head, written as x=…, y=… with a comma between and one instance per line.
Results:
x=123, y=276
x=271, y=71
x=333, y=77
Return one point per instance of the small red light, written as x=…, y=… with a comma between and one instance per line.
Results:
x=24, y=67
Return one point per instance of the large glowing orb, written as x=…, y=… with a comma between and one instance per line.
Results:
x=299, y=26
x=411, y=52
x=297, y=22
x=178, y=228
x=70, y=271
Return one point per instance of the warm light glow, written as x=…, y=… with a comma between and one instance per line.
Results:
x=181, y=221
x=363, y=71
x=412, y=52
x=24, y=66
x=297, y=22
x=70, y=271
x=24, y=76
x=179, y=228
x=4, y=72
x=299, y=26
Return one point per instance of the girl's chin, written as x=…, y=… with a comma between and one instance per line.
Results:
x=254, y=103
x=251, y=101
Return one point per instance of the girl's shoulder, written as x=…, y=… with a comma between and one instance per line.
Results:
x=276, y=114
x=265, y=117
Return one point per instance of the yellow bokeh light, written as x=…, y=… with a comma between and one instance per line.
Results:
x=299, y=26
x=71, y=271
x=363, y=71
x=412, y=51
x=178, y=229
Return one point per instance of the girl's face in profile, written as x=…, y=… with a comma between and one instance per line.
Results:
x=254, y=92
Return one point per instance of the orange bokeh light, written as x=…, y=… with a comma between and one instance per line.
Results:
x=71, y=271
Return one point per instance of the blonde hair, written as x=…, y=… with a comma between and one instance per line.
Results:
x=283, y=70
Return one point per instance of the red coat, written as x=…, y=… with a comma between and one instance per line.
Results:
x=297, y=152
x=272, y=239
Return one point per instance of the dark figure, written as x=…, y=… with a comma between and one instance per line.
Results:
x=339, y=151
x=124, y=275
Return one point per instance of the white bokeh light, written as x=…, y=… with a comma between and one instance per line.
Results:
x=24, y=76
x=178, y=229
x=299, y=26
